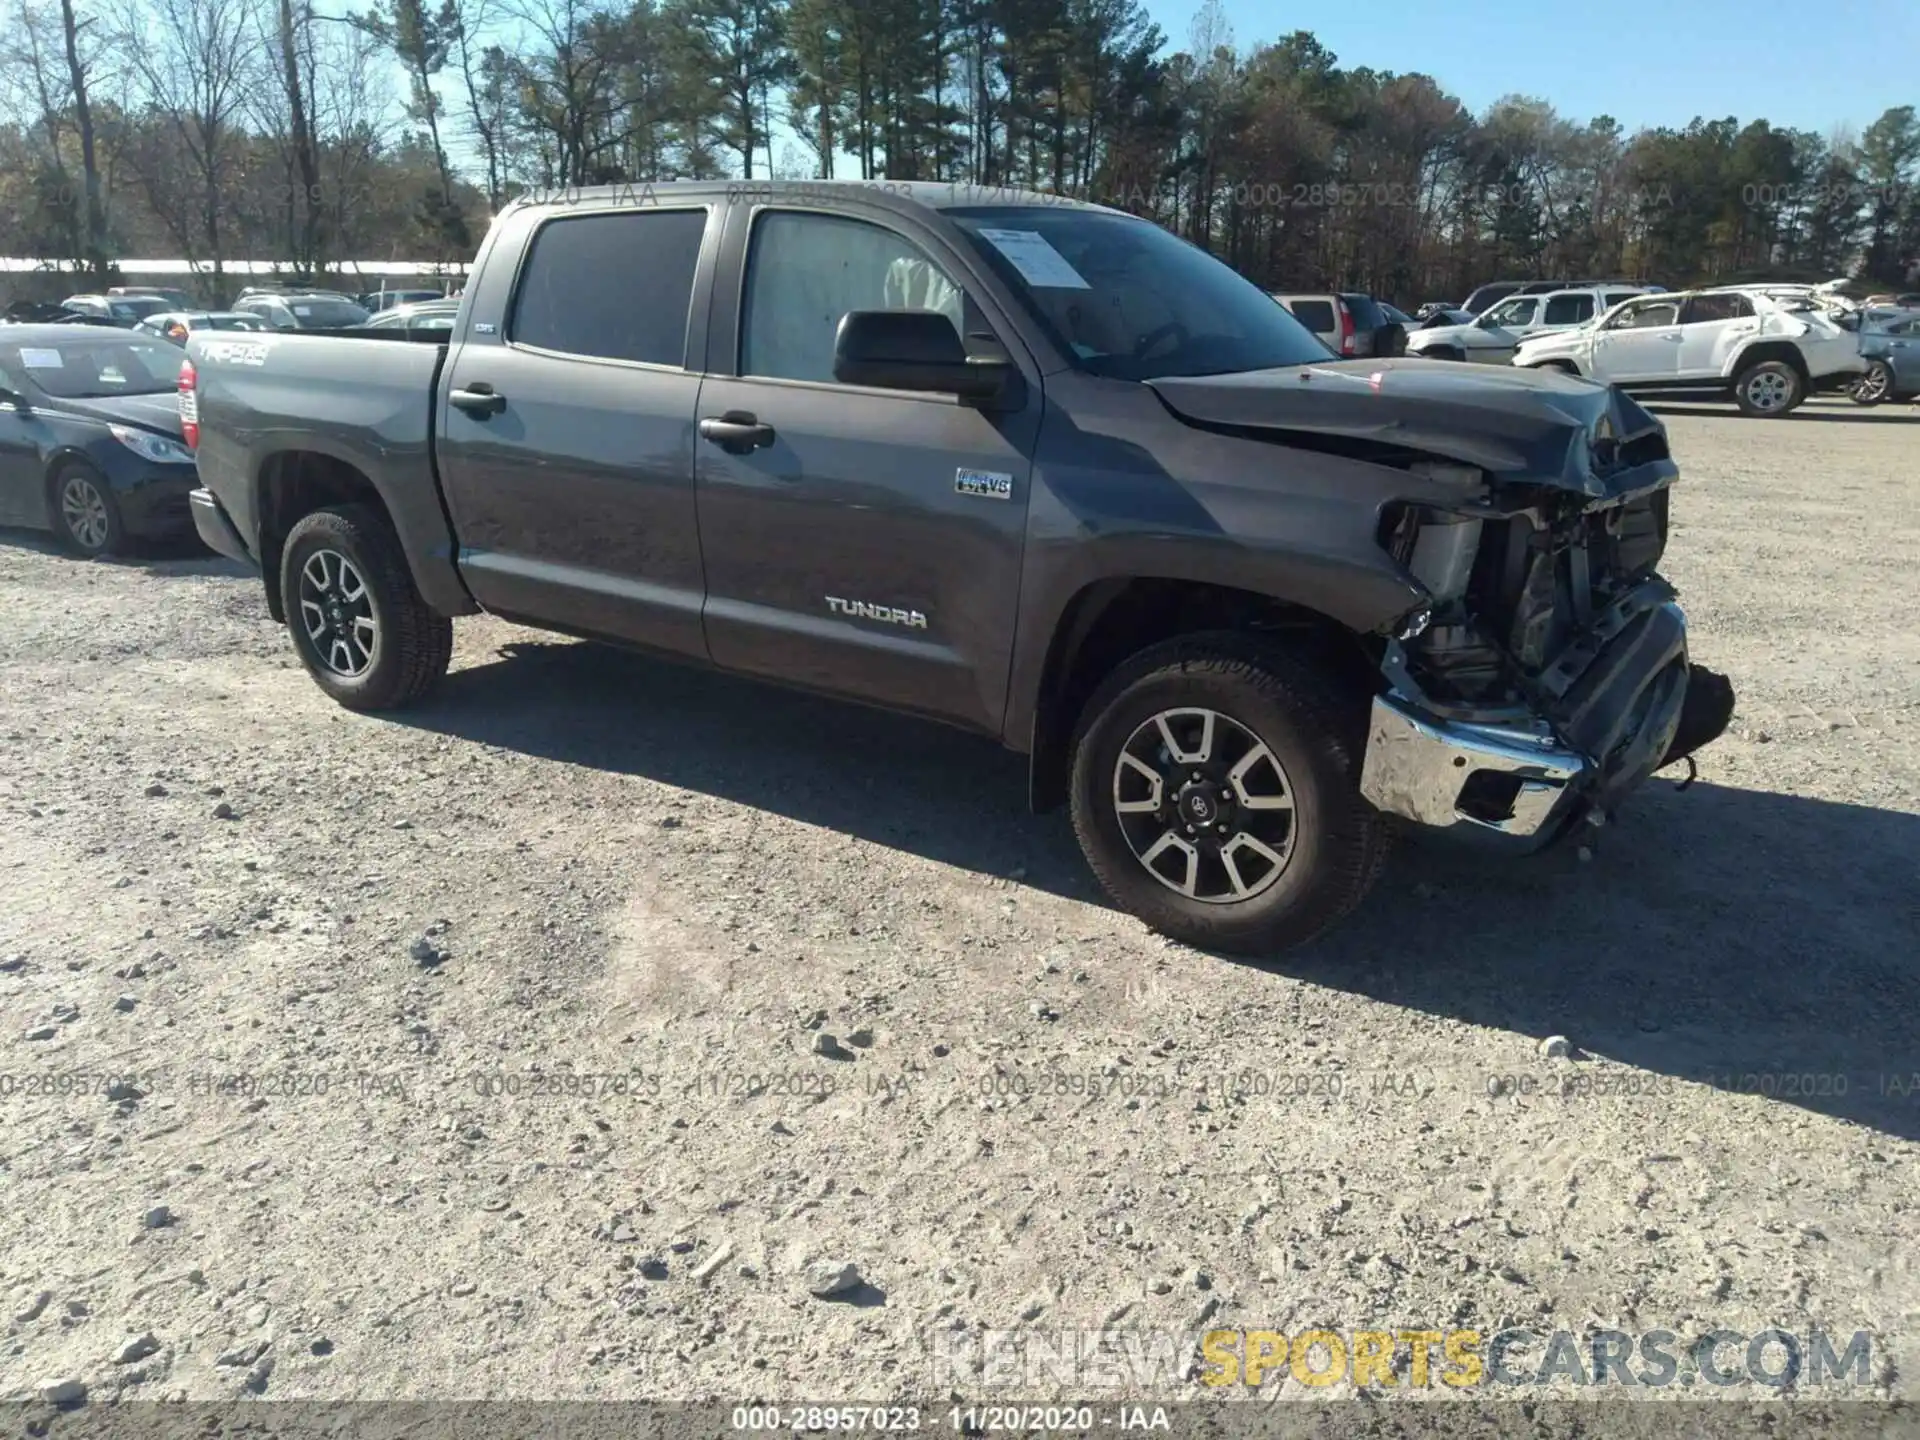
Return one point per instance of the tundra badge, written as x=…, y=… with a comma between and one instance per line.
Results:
x=892, y=614
x=987, y=484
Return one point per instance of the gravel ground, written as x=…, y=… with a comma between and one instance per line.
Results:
x=545, y=1042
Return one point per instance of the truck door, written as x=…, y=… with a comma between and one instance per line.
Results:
x=566, y=428
x=1640, y=344
x=1711, y=328
x=865, y=541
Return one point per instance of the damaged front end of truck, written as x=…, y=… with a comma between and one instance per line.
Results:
x=1545, y=673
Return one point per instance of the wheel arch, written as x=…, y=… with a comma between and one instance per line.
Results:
x=1761, y=351
x=292, y=484
x=1109, y=620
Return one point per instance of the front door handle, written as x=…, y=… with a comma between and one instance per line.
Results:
x=737, y=432
x=478, y=400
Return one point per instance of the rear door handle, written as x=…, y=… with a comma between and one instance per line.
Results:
x=737, y=432
x=478, y=400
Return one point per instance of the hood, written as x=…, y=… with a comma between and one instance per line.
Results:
x=1535, y=426
x=1441, y=332
x=159, y=412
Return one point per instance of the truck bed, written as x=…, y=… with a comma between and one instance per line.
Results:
x=310, y=397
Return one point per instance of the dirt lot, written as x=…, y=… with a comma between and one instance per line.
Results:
x=668, y=886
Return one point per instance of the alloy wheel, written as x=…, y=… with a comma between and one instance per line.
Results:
x=337, y=611
x=84, y=510
x=1205, y=805
x=1769, y=391
x=1871, y=388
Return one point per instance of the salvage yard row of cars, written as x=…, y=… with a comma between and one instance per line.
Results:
x=1041, y=471
x=1767, y=347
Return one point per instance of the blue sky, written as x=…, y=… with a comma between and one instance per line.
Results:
x=1645, y=62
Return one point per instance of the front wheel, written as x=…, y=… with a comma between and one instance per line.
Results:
x=1216, y=795
x=1873, y=386
x=357, y=620
x=1769, y=389
x=84, y=513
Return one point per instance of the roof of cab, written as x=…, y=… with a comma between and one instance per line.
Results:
x=891, y=194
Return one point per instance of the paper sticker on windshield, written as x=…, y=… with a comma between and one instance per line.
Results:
x=41, y=359
x=1039, y=264
x=303, y=310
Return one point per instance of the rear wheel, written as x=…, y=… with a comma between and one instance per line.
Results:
x=1216, y=794
x=84, y=513
x=1769, y=389
x=357, y=621
x=1874, y=385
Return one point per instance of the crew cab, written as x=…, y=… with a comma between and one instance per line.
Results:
x=1031, y=467
x=1768, y=350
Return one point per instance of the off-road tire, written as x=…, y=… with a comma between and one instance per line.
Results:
x=1313, y=723
x=413, y=644
x=77, y=473
x=1777, y=370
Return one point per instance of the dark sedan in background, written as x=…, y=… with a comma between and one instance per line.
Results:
x=90, y=438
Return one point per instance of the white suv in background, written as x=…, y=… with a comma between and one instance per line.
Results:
x=1493, y=338
x=1768, y=351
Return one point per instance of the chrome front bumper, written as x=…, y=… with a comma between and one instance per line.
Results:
x=1424, y=770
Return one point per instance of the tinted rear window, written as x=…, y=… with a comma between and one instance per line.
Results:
x=616, y=286
x=1316, y=315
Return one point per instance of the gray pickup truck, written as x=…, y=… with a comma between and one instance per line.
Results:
x=1031, y=467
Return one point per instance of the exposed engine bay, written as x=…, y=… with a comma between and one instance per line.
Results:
x=1550, y=634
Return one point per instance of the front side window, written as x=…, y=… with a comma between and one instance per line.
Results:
x=1649, y=315
x=617, y=286
x=1128, y=300
x=1510, y=312
x=1568, y=309
x=804, y=272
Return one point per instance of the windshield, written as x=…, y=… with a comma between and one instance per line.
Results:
x=91, y=369
x=326, y=314
x=1130, y=301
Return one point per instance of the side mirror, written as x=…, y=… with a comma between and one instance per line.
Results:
x=912, y=350
x=10, y=396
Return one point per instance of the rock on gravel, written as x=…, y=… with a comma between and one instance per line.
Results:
x=62, y=1390
x=828, y=1278
x=139, y=1347
x=158, y=1218
x=830, y=1047
x=35, y=1303
x=244, y=1354
x=425, y=953
x=1555, y=1047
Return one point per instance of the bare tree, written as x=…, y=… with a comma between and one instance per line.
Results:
x=192, y=62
